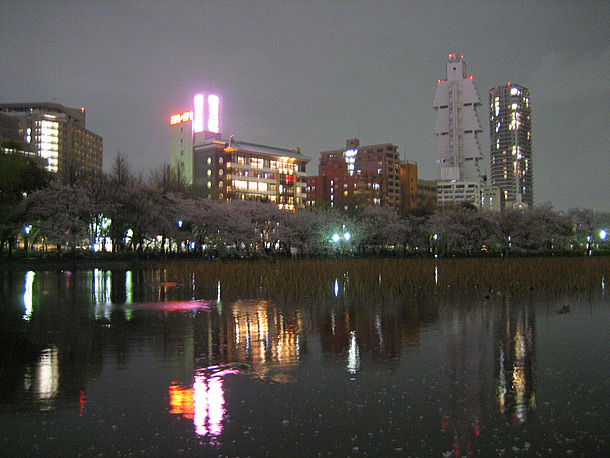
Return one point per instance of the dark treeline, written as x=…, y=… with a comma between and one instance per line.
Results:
x=158, y=216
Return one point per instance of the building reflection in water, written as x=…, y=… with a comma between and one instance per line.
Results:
x=463, y=352
x=465, y=335
x=264, y=337
x=515, y=362
x=203, y=401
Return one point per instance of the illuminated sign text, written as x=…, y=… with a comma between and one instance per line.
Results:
x=181, y=117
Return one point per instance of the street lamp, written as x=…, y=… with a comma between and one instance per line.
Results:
x=603, y=234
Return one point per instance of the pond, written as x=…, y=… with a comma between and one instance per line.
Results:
x=306, y=359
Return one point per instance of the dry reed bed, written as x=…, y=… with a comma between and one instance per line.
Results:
x=370, y=277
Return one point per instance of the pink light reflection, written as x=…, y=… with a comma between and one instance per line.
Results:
x=203, y=403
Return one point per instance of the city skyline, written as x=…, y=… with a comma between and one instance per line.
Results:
x=307, y=75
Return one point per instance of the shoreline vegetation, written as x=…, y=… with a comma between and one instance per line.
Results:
x=363, y=276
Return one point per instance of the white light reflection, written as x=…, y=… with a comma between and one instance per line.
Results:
x=436, y=274
x=209, y=402
x=204, y=402
x=336, y=287
x=129, y=287
x=353, y=361
x=27, y=295
x=102, y=287
x=46, y=378
x=218, y=300
x=379, y=329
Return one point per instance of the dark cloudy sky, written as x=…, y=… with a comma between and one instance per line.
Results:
x=315, y=73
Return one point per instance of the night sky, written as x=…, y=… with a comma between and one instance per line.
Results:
x=312, y=74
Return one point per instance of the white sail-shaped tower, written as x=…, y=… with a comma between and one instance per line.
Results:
x=457, y=127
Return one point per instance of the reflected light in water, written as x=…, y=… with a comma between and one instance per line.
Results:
x=27, y=295
x=129, y=287
x=353, y=361
x=203, y=402
x=174, y=306
x=218, y=299
x=379, y=329
x=501, y=387
x=436, y=275
x=47, y=378
x=102, y=288
x=336, y=286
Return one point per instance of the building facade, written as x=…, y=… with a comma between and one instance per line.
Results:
x=408, y=186
x=457, y=127
x=229, y=169
x=357, y=175
x=427, y=194
x=56, y=135
x=512, y=167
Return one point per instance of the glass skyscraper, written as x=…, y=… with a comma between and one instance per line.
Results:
x=511, y=168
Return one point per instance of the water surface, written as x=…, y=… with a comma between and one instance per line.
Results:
x=143, y=363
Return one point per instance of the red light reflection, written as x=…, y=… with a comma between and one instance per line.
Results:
x=82, y=401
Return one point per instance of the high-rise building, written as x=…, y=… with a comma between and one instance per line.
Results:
x=457, y=126
x=57, y=135
x=357, y=175
x=231, y=169
x=510, y=125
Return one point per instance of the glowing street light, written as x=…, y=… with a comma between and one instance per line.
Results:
x=336, y=238
x=603, y=234
x=347, y=236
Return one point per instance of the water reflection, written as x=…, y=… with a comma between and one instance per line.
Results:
x=463, y=353
x=27, y=295
x=468, y=365
x=353, y=360
x=46, y=378
x=203, y=401
x=515, y=361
